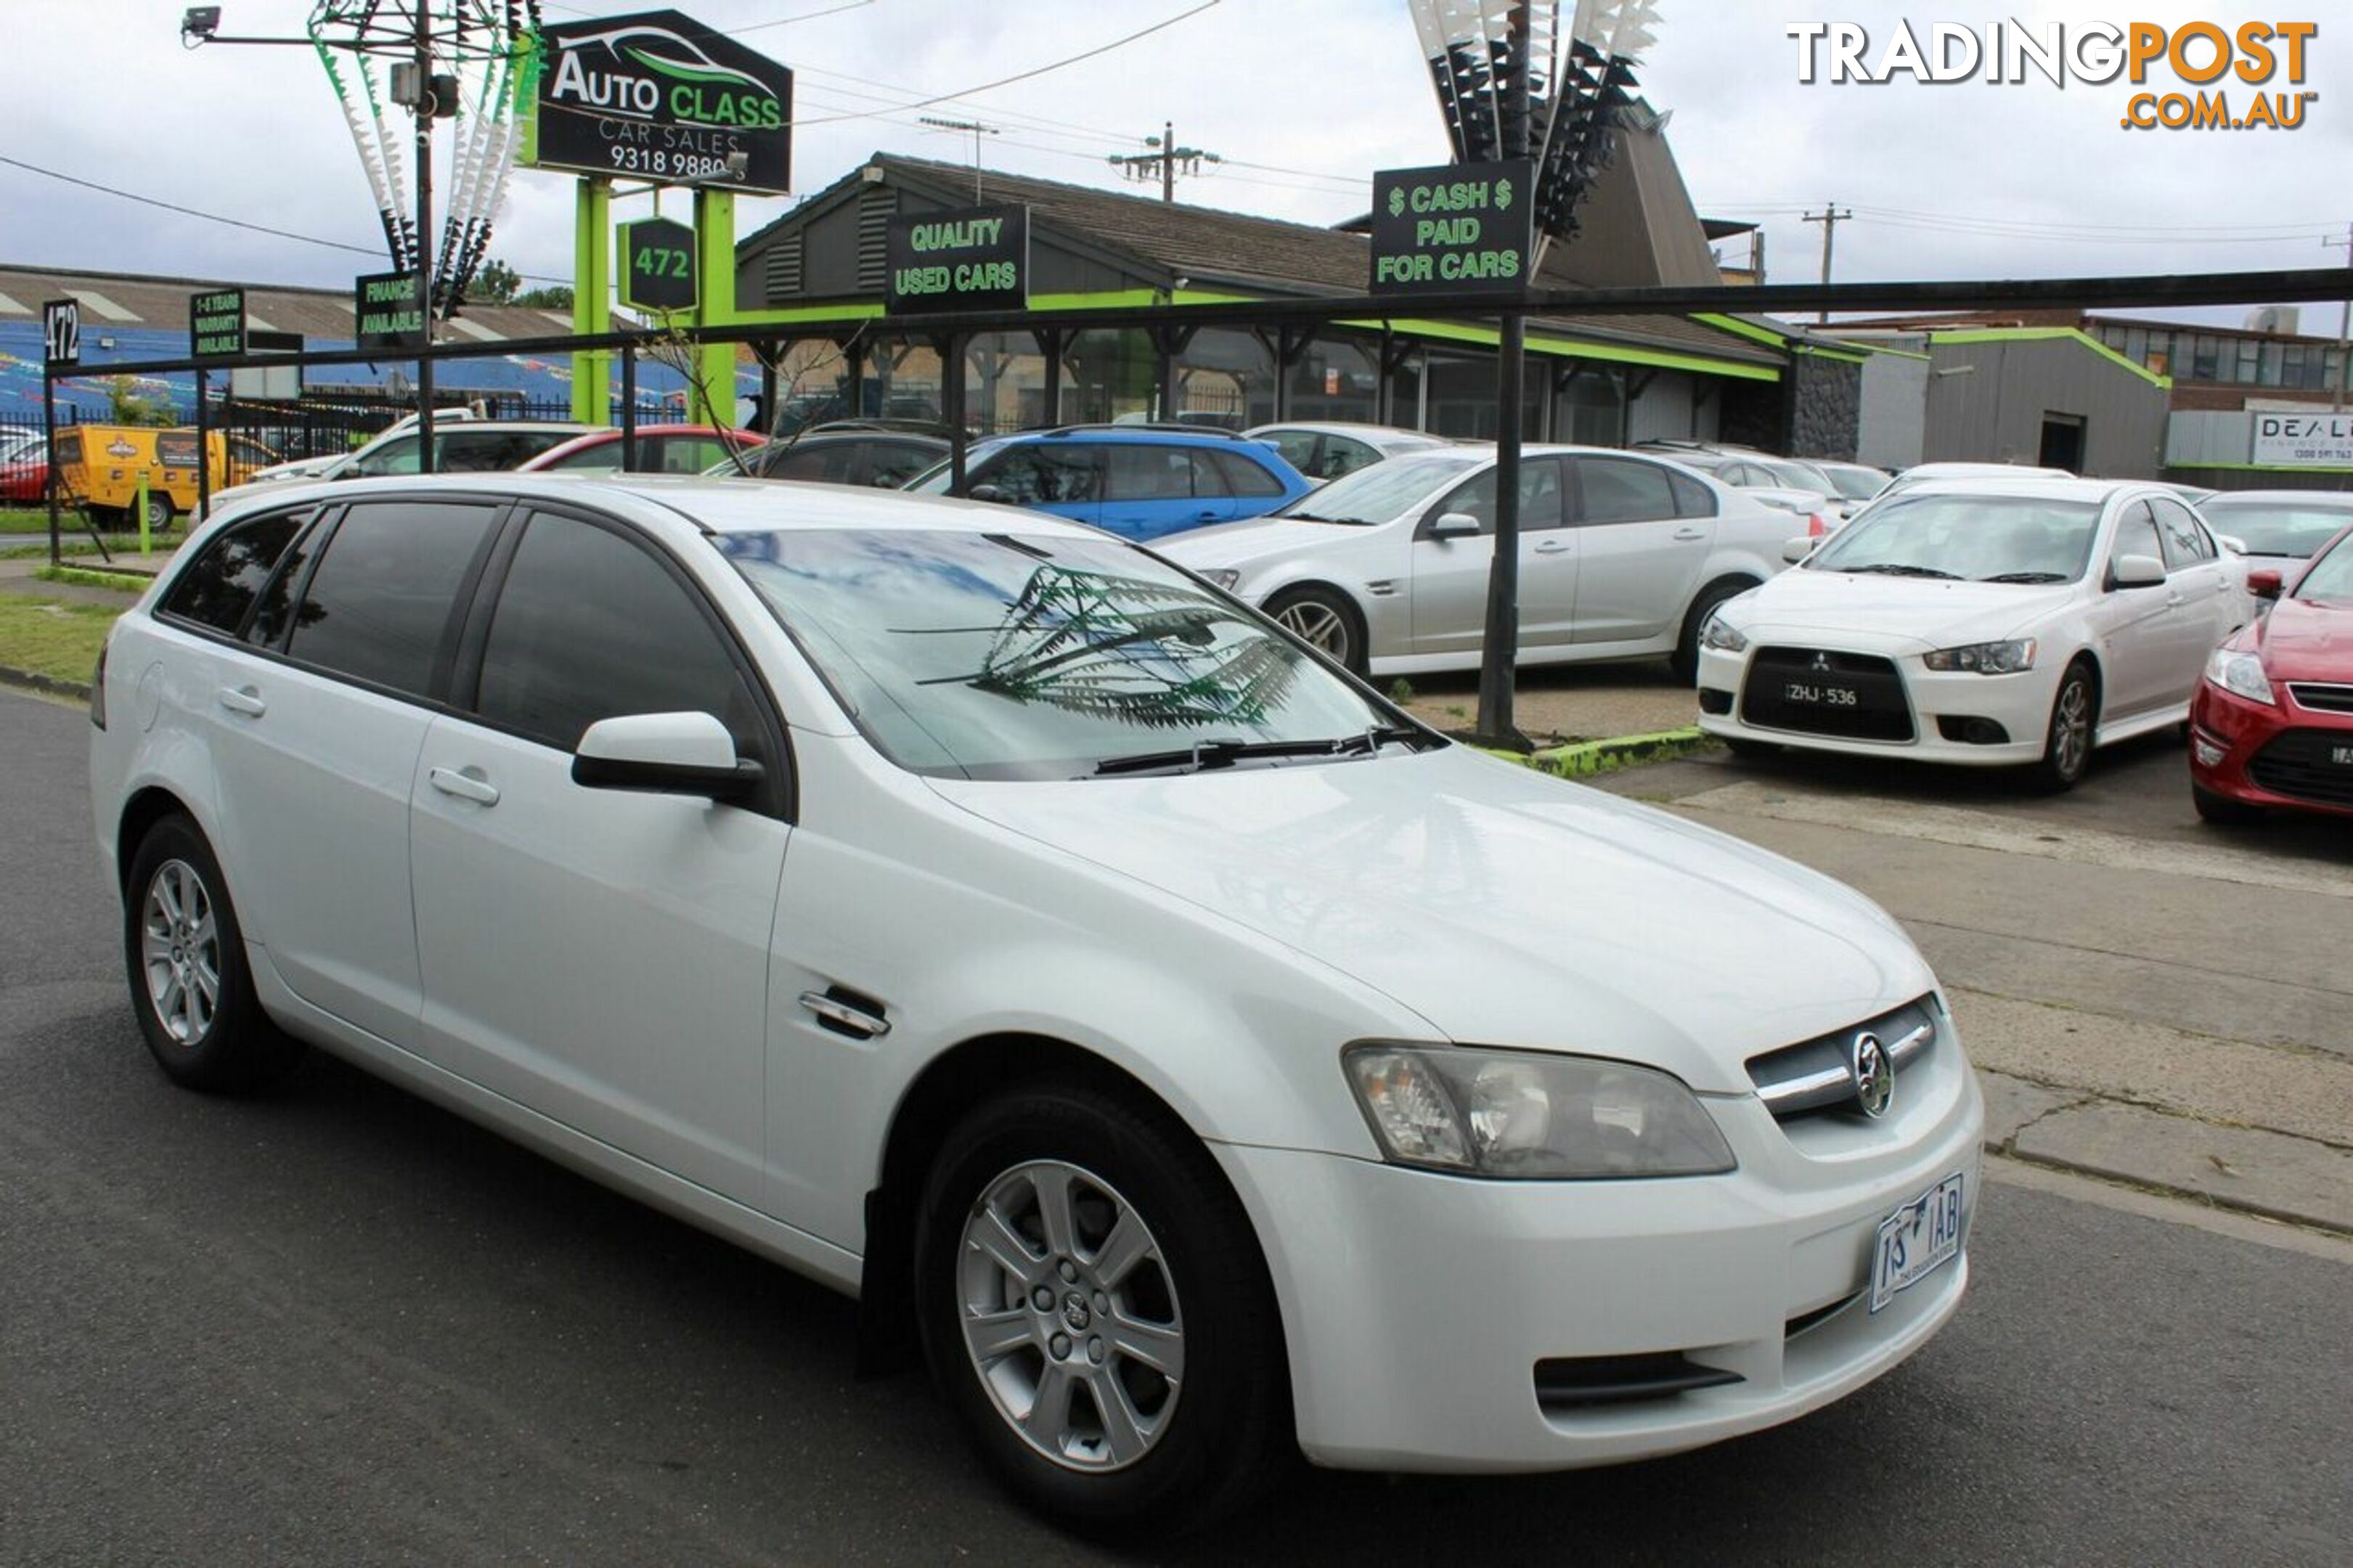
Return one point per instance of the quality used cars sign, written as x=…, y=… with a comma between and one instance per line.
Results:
x=661, y=96
x=2257, y=55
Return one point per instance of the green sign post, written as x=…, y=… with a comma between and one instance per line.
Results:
x=1455, y=228
x=217, y=323
x=659, y=274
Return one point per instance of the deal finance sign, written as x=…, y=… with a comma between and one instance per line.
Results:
x=1454, y=229
x=2304, y=440
x=659, y=96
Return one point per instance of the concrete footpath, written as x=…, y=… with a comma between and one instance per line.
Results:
x=2144, y=1004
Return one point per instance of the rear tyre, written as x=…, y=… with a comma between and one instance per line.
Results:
x=159, y=512
x=2067, y=738
x=1093, y=1307
x=1685, y=660
x=189, y=983
x=2221, y=810
x=1324, y=617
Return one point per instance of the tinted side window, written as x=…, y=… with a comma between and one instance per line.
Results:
x=2185, y=542
x=1034, y=474
x=893, y=463
x=1539, y=497
x=1623, y=489
x=379, y=603
x=1297, y=447
x=394, y=456
x=604, y=455
x=589, y=626
x=1693, y=498
x=1345, y=455
x=220, y=585
x=1149, y=473
x=1244, y=477
x=2136, y=534
x=690, y=454
x=827, y=462
x=490, y=451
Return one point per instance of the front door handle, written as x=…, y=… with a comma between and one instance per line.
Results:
x=1689, y=535
x=1550, y=546
x=243, y=700
x=1205, y=517
x=838, y=1012
x=469, y=785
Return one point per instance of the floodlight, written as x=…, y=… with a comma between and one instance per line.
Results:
x=200, y=22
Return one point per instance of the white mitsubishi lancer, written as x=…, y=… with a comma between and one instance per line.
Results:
x=1197, y=1057
x=1985, y=622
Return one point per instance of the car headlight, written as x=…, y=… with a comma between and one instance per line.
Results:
x=1986, y=658
x=1224, y=578
x=1719, y=633
x=1532, y=1116
x=2241, y=675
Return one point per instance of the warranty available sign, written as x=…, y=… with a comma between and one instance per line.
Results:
x=658, y=96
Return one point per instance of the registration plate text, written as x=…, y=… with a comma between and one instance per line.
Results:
x=1916, y=1240
x=1821, y=695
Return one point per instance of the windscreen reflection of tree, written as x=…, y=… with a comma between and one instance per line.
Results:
x=1131, y=649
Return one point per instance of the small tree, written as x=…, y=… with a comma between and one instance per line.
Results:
x=555, y=297
x=494, y=283
x=126, y=404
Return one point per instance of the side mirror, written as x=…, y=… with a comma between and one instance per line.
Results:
x=991, y=493
x=2264, y=582
x=663, y=753
x=2231, y=542
x=1796, y=550
x=2137, y=572
x=1453, y=525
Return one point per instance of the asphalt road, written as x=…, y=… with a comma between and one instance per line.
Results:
x=339, y=1326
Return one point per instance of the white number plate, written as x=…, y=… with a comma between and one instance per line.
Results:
x=2341, y=755
x=1916, y=1240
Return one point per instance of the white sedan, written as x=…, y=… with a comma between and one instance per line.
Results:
x=967, y=910
x=1987, y=622
x=1621, y=556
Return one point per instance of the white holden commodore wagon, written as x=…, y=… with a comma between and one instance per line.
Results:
x=977, y=914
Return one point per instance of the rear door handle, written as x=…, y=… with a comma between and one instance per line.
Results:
x=466, y=785
x=1205, y=517
x=1550, y=546
x=1689, y=535
x=243, y=700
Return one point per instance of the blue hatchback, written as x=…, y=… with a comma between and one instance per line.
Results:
x=1137, y=481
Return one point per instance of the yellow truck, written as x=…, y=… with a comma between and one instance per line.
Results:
x=99, y=469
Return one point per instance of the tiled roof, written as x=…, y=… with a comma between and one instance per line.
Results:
x=129, y=300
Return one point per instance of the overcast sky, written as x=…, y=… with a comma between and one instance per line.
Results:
x=1301, y=98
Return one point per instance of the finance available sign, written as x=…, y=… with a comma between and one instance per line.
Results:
x=1455, y=228
x=657, y=95
x=963, y=259
x=2304, y=440
x=391, y=315
x=217, y=323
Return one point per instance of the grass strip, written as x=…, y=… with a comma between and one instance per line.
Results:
x=54, y=641
x=90, y=577
x=1585, y=759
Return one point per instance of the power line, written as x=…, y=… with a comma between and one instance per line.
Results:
x=191, y=212
x=1033, y=71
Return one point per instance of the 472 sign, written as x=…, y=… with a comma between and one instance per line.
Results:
x=658, y=273
x=61, y=331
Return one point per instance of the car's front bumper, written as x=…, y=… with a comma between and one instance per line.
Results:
x=1977, y=720
x=2273, y=755
x=1418, y=1306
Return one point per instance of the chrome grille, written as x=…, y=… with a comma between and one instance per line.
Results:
x=2321, y=698
x=1815, y=1075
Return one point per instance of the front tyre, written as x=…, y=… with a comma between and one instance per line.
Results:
x=1685, y=660
x=2067, y=738
x=189, y=983
x=1093, y=1307
x=1324, y=619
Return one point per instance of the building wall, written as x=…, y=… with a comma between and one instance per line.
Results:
x=1892, y=418
x=1668, y=410
x=1987, y=403
x=1825, y=397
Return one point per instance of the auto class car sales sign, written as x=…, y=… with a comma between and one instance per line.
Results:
x=658, y=96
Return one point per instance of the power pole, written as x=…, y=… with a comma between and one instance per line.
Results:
x=1144, y=165
x=1830, y=217
x=2344, y=327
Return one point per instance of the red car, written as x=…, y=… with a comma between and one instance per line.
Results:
x=2272, y=725
x=24, y=474
x=662, y=449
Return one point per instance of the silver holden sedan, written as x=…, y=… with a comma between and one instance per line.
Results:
x=1621, y=556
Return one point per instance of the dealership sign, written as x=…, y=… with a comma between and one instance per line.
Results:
x=2296, y=441
x=217, y=324
x=967, y=259
x=61, y=331
x=1452, y=229
x=391, y=312
x=657, y=265
x=658, y=96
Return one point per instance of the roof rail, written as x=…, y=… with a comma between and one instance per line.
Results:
x=1156, y=427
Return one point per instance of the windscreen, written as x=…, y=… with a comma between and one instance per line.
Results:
x=1855, y=484
x=1034, y=657
x=2331, y=576
x=1384, y=491
x=2276, y=527
x=1985, y=538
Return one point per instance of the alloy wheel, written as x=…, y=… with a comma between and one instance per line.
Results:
x=2071, y=727
x=1318, y=624
x=179, y=949
x=1068, y=1311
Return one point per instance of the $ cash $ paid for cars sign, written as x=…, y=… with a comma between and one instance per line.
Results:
x=1454, y=228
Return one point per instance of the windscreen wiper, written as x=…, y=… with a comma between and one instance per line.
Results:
x=1900, y=569
x=2025, y=577
x=1225, y=752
